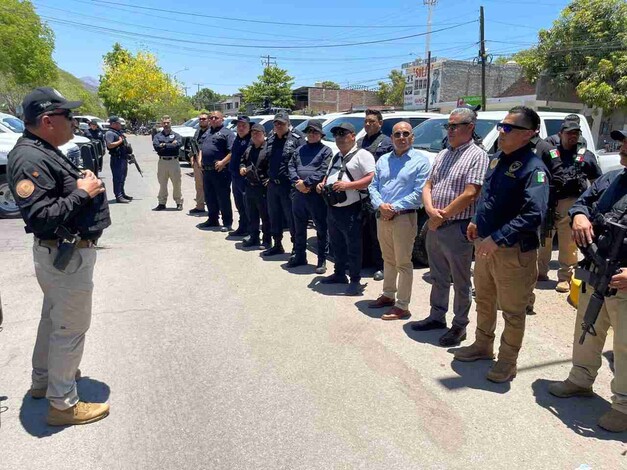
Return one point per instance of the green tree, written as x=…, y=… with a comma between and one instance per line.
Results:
x=586, y=47
x=392, y=94
x=135, y=87
x=207, y=99
x=274, y=85
x=26, y=45
x=330, y=85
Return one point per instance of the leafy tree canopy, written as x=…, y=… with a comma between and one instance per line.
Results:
x=330, y=85
x=274, y=86
x=207, y=99
x=392, y=94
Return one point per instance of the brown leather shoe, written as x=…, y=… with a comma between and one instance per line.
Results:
x=501, y=372
x=81, y=413
x=39, y=393
x=567, y=389
x=613, y=421
x=381, y=302
x=396, y=313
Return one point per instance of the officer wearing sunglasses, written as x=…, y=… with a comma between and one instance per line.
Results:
x=66, y=210
x=510, y=210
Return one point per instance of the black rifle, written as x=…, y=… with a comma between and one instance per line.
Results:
x=602, y=261
x=131, y=158
x=546, y=229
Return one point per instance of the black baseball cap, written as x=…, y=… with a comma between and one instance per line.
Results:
x=43, y=100
x=316, y=125
x=245, y=119
x=618, y=135
x=573, y=117
x=570, y=125
x=258, y=127
x=347, y=126
x=282, y=116
x=94, y=122
x=113, y=119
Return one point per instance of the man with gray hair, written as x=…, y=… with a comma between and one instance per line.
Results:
x=449, y=198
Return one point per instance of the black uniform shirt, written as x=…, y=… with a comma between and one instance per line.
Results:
x=383, y=146
x=94, y=134
x=240, y=144
x=280, y=152
x=200, y=135
x=310, y=163
x=43, y=183
x=172, y=143
x=514, y=199
x=602, y=195
x=255, y=161
x=217, y=145
x=570, y=169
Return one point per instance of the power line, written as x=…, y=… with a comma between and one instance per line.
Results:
x=245, y=20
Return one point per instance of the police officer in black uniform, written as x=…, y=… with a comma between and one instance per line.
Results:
x=238, y=182
x=282, y=145
x=199, y=136
x=252, y=169
x=510, y=210
x=571, y=167
x=606, y=200
x=555, y=139
x=215, y=155
x=307, y=168
x=66, y=210
x=117, y=146
x=378, y=144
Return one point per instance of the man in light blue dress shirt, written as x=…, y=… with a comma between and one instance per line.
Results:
x=395, y=193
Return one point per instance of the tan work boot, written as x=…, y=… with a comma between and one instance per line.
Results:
x=81, y=413
x=567, y=389
x=613, y=421
x=562, y=287
x=39, y=393
x=501, y=372
x=474, y=352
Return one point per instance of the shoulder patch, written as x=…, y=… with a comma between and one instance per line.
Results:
x=554, y=153
x=24, y=188
x=493, y=163
x=541, y=177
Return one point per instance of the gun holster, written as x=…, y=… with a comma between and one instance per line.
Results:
x=67, y=245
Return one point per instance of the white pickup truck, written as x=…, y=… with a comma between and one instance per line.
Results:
x=11, y=129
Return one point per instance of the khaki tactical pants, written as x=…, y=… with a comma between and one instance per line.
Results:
x=200, y=192
x=169, y=169
x=65, y=318
x=396, y=238
x=505, y=279
x=567, y=248
x=587, y=356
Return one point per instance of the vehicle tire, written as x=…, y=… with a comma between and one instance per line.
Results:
x=8, y=206
x=419, y=255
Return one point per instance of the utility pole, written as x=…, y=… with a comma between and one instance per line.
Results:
x=482, y=57
x=198, y=85
x=430, y=4
x=428, y=81
x=267, y=61
x=185, y=88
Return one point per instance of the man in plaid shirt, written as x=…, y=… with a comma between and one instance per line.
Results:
x=449, y=198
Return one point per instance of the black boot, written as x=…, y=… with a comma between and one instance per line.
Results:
x=297, y=259
x=321, y=267
x=250, y=240
x=277, y=249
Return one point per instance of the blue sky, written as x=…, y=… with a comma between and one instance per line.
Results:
x=225, y=54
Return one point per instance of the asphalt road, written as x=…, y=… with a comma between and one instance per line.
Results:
x=213, y=358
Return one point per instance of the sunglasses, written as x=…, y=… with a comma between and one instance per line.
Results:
x=341, y=133
x=453, y=127
x=202, y=119
x=399, y=134
x=507, y=128
x=313, y=131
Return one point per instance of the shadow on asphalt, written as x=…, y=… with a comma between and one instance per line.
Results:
x=239, y=246
x=580, y=414
x=425, y=337
x=33, y=412
x=362, y=306
x=472, y=375
x=307, y=269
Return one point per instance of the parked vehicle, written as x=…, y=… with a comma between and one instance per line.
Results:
x=102, y=124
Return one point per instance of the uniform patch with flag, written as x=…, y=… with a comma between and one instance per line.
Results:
x=554, y=153
x=541, y=178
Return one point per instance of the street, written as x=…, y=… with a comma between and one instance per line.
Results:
x=214, y=358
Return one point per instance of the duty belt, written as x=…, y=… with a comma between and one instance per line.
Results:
x=406, y=211
x=209, y=167
x=54, y=243
x=168, y=158
x=275, y=181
